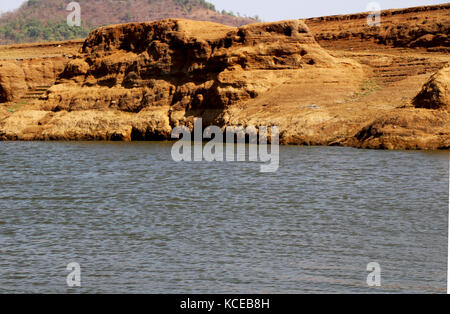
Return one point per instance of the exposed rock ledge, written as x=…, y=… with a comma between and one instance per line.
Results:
x=137, y=81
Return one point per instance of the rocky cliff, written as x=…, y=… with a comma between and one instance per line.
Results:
x=137, y=81
x=418, y=27
x=435, y=94
x=153, y=76
x=26, y=67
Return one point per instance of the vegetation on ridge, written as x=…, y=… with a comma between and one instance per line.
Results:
x=45, y=20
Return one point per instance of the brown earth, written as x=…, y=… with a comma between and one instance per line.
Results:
x=137, y=81
x=423, y=27
x=28, y=66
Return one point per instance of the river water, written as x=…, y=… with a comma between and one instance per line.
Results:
x=136, y=221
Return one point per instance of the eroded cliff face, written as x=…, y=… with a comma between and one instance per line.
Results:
x=417, y=27
x=160, y=75
x=137, y=81
x=18, y=76
x=183, y=64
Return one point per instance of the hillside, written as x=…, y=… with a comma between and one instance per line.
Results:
x=416, y=27
x=45, y=20
x=319, y=80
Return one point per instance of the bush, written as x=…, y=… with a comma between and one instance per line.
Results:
x=33, y=3
x=34, y=30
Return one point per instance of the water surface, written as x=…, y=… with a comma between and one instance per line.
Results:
x=136, y=221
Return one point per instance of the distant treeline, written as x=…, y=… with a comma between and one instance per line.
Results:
x=22, y=30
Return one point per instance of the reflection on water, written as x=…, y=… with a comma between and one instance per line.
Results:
x=138, y=222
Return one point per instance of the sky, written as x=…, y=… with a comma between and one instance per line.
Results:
x=274, y=10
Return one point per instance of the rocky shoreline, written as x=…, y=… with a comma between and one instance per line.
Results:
x=138, y=81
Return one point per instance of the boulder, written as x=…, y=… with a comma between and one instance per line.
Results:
x=12, y=82
x=435, y=93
